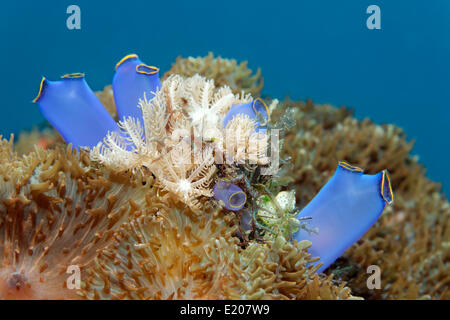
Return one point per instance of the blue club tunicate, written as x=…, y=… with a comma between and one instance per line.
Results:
x=74, y=110
x=252, y=110
x=344, y=209
x=132, y=79
x=231, y=195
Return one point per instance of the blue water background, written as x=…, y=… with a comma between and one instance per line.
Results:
x=307, y=49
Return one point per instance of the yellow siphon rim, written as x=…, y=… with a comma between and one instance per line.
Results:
x=142, y=65
x=75, y=75
x=235, y=193
x=265, y=106
x=127, y=57
x=41, y=88
x=385, y=178
x=350, y=167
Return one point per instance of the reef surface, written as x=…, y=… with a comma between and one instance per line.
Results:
x=135, y=237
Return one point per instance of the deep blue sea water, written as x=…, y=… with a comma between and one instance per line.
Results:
x=307, y=49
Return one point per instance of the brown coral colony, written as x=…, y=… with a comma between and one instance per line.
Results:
x=134, y=234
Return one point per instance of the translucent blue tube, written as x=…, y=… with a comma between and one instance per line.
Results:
x=74, y=111
x=230, y=194
x=251, y=109
x=131, y=80
x=344, y=209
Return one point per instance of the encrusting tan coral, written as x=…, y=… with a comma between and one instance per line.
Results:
x=224, y=72
x=170, y=253
x=159, y=248
x=163, y=252
x=56, y=211
x=167, y=253
x=278, y=269
x=131, y=240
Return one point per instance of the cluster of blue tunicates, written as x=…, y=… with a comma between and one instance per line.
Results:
x=79, y=116
x=345, y=208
